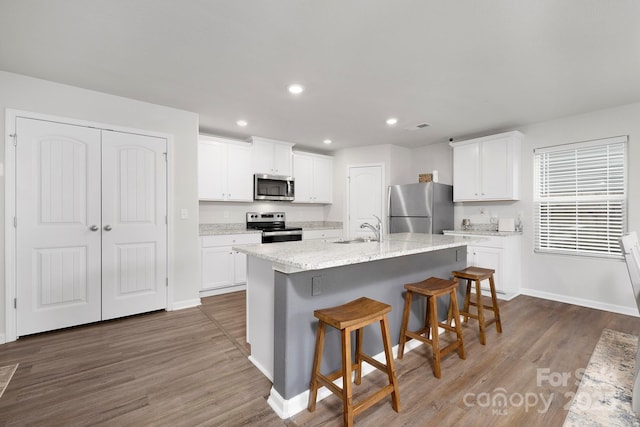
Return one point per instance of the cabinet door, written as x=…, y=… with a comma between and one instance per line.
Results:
x=239, y=175
x=497, y=169
x=466, y=172
x=240, y=264
x=323, y=180
x=303, y=174
x=490, y=258
x=282, y=160
x=217, y=266
x=262, y=157
x=212, y=170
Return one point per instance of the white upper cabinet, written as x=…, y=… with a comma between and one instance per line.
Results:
x=271, y=156
x=487, y=168
x=313, y=174
x=224, y=170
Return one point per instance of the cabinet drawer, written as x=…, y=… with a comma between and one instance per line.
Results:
x=333, y=233
x=230, y=239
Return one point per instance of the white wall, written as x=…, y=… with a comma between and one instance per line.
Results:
x=585, y=281
x=224, y=212
x=436, y=157
x=40, y=96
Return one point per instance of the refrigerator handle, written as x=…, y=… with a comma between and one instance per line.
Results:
x=389, y=209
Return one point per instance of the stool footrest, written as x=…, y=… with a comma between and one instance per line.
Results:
x=372, y=399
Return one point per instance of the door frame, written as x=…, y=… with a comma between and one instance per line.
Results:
x=346, y=227
x=10, y=238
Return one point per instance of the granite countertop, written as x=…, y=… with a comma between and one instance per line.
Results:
x=483, y=233
x=241, y=227
x=306, y=255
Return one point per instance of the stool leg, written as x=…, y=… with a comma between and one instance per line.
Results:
x=467, y=300
x=427, y=320
x=480, y=312
x=347, y=391
x=494, y=300
x=435, y=339
x=391, y=370
x=359, y=338
x=453, y=307
x=317, y=362
x=405, y=322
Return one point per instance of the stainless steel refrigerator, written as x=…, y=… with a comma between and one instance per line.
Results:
x=426, y=207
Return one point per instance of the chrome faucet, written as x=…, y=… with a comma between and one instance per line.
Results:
x=377, y=230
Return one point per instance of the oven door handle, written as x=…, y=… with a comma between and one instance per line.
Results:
x=282, y=233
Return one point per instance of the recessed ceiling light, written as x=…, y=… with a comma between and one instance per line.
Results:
x=392, y=121
x=295, y=89
x=242, y=123
x=327, y=141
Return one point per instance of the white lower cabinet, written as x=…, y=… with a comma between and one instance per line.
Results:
x=222, y=268
x=325, y=234
x=502, y=254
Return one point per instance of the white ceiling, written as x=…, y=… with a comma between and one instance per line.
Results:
x=467, y=67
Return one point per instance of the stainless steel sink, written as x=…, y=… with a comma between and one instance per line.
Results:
x=354, y=241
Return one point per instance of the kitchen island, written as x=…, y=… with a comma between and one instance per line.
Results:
x=288, y=281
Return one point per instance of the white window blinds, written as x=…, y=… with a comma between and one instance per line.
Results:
x=580, y=197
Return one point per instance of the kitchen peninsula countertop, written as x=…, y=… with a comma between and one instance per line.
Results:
x=308, y=255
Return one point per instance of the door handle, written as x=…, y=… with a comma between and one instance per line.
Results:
x=107, y=228
x=94, y=228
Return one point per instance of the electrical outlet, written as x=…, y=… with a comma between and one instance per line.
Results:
x=184, y=213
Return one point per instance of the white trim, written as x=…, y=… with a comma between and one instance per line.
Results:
x=187, y=303
x=11, y=116
x=3, y=339
x=629, y=311
x=225, y=290
x=261, y=368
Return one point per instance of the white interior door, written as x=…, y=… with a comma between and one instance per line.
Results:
x=134, y=229
x=58, y=225
x=366, y=195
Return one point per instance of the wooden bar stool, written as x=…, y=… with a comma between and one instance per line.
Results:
x=432, y=288
x=353, y=316
x=477, y=275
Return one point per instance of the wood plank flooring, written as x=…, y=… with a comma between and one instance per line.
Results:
x=189, y=367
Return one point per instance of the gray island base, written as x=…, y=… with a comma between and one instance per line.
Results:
x=285, y=286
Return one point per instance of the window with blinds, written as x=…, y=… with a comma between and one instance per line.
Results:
x=580, y=198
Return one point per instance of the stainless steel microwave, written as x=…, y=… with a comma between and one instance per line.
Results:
x=273, y=187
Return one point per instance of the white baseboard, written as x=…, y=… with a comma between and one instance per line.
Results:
x=286, y=408
x=629, y=311
x=189, y=303
x=261, y=368
x=3, y=339
x=220, y=291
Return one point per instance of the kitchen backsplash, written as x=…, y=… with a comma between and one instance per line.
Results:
x=222, y=212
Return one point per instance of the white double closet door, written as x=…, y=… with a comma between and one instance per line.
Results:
x=91, y=229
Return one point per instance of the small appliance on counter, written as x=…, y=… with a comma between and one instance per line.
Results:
x=273, y=227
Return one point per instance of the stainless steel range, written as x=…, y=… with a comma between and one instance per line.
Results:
x=273, y=227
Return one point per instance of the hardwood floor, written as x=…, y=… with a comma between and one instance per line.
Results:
x=189, y=367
